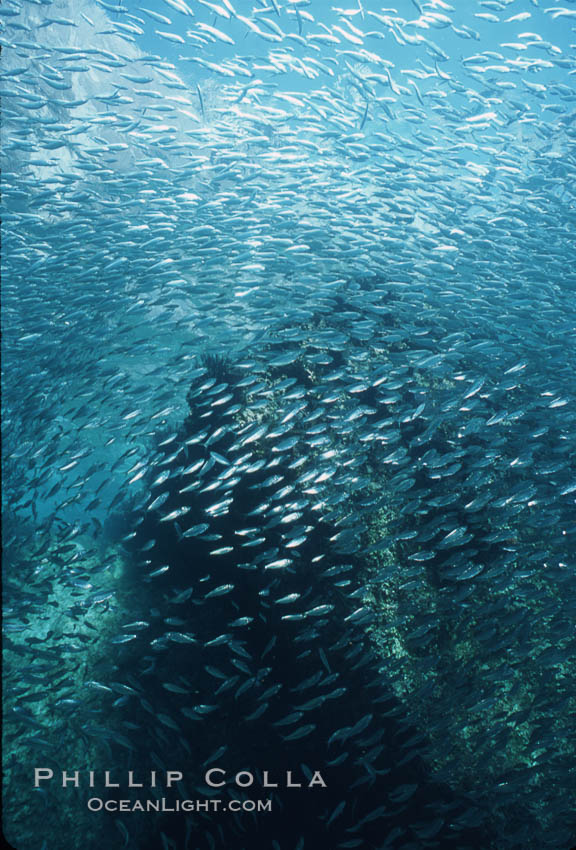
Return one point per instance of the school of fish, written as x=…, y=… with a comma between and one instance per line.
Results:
x=289, y=423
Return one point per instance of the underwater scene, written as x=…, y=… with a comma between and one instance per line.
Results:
x=289, y=424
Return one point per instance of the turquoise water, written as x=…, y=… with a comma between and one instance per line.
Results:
x=289, y=429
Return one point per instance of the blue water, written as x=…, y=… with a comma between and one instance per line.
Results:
x=288, y=418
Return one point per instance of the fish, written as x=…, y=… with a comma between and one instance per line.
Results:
x=289, y=413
